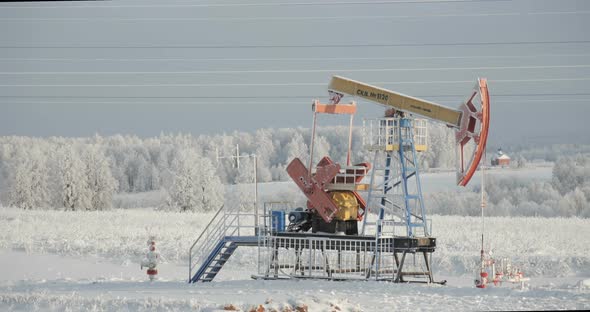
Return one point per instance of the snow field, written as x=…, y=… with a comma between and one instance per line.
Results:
x=59, y=261
x=118, y=235
x=282, y=296
x=550, y=247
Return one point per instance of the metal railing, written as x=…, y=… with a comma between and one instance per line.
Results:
x=327, y=258
x=227, y=222
x=350, y=174
x=381, y=132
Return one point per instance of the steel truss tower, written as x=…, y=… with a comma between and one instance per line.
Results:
x=395, y=189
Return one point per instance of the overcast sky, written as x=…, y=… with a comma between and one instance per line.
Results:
x=143, y=67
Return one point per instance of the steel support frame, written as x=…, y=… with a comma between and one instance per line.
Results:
x=409, y=170
x=401, y=170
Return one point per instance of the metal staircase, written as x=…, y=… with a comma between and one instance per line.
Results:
x=213, y=264
x=227, y=230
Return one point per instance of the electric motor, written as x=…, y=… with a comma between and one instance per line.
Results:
x=298, y=215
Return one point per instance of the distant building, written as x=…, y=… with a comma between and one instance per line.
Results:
x=500, y=159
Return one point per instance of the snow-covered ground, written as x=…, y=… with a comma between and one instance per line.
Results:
x=52, y=260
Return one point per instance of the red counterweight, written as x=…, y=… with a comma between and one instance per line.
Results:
x=314, y=186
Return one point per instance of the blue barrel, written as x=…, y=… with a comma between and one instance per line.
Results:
x=277, y=220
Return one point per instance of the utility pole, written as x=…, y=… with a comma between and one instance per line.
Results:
x=236, y=160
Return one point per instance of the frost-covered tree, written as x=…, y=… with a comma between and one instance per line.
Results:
x=502, y=208
x=143, y=175
x=279, y=173
x=337, y=137
x=196, y=187
x=265, y=152
x=520, y=161
x=297, y=148
x=153, y=182
x=5, y=151
x=21, y=193
x=164, y=165
x=321, y=149
x=245, y=173
x=131, y=169
x=74, y=191
x=571, y=172
x=573, y=203
x=122, y=181
x=441, y=148
x=101, y=183
x=29, y=188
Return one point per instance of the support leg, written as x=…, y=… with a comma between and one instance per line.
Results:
x=368, y=275
x=275, y=259
x=399, y=277
x=358, y=260
x=427, y=261
x=326, y=263
x=298, y=263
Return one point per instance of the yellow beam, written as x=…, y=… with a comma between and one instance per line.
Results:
x=396, y=100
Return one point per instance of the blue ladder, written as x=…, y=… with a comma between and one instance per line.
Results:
x=213, y=264
x=219, y=255
x=414, y=202
x=400, y=191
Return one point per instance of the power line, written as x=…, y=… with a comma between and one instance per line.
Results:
x=272, y=97
x=293, y=46
x=286, y=58
x=278, y=18
x=274, y=4
x=273, y=71
x=455, y=101
x=286, y=84
x=162, y=97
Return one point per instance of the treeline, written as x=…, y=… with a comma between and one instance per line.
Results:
x=84, y=173
x=566, y=195
x=41, y=175
x=546, y=152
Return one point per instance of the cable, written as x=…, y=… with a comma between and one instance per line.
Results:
x=427, y=44
x=272, y=97
x=457, y=101
x=164, y=97
x=285, y=84
x=533, y=100
x=273, y=71
x=284, y=59
x=275, y=4
x=276, y=18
